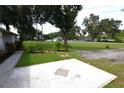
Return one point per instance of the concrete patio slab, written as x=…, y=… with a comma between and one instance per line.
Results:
x=70, y=73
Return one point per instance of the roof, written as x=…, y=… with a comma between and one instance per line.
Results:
x=9, y=32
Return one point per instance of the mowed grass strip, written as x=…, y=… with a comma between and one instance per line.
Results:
x=94, y=45
x=28, y=59
x=73, y=45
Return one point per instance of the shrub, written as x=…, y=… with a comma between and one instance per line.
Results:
x=107, y=47
x=3, y=55
x=58, y=45
x=18, y=45
x=66, y=47
x=38, y=48
x=10, y=48
x=118, y=40
x=33, y=48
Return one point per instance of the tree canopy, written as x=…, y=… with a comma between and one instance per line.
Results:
x=92, y=25
x=74, y=33
x=110, y=27
x=63, y=17
x=96, y=28
x=23, y=17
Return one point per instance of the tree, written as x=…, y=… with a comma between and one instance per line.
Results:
x=110, y=27
x=34, y=14
x=41, y=14
x=51, y=35
x=19, y=17
x=23, y=17
x=8, y=15
x=63, y=17
x=74, y=33
x=91, y=25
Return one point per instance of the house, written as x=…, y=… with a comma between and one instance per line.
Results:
x=85, y=38
x=6, y=37
x=56, y=39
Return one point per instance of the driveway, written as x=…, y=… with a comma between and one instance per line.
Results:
x=115, y=55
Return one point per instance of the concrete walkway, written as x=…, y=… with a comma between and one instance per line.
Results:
x=70, y=73
x=7, y=66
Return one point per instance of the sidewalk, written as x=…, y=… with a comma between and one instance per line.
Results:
x=7, y=66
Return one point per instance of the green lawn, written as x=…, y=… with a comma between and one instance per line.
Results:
x=73, y=45
x=51, y=55
x=38, y=58
x=95, y=45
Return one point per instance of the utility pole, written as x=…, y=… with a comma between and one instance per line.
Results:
x=37, y=33
x=122, y=10
x=42, y=32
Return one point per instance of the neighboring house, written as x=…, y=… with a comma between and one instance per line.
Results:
x=6, y=37
x=85, y=38
x=56, y=39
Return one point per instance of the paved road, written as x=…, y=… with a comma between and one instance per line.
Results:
x=115, y=55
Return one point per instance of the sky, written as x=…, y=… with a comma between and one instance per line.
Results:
x=103, y=8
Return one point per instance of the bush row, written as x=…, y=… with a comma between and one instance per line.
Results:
x=10, y=48
x=41, y=47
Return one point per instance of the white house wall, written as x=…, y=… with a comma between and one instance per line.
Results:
x=8, y=38
x=2, y=47
x=13, y=38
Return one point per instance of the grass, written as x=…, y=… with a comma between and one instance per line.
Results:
x=74, y=45
x=50, y=56
x=95, y=45
x=37, y=45
x=38, y=58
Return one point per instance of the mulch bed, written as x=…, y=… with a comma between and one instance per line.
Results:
x=3, y=55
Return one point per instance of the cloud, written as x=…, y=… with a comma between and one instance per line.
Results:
x=104, y=11
x=47, y=28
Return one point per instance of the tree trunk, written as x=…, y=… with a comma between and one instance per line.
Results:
x=7, y=27
x=65, y=42
x=92, y=38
